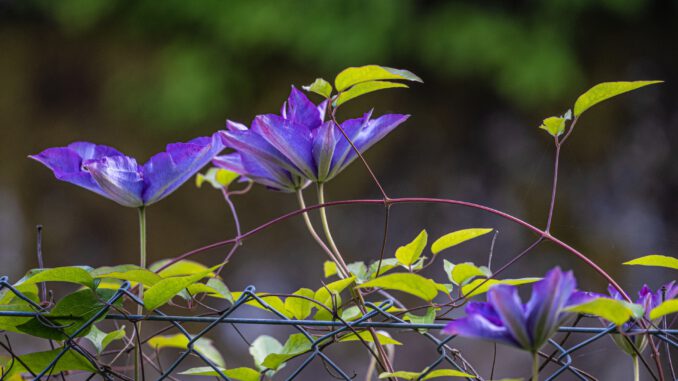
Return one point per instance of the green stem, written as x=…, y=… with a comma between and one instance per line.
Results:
x=140, y=309
x=326, y=226
x=636, y=368
x=535, y=366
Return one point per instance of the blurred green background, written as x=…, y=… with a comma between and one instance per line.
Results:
x=140, y=74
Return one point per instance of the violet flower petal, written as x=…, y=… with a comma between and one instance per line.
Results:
x=166, y=171
x=290, y=139
x=120, y=177
x=549, y=297
x=506, y=302
x=324, y=142
x=300, y=110
x=478, y=327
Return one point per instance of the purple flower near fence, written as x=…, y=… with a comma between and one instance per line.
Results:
x=505, y=319
x=287, y=151
x=106, y=171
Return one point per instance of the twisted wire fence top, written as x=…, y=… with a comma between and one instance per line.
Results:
x=443, y=354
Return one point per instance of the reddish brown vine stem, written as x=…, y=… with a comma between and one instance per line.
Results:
x=410, y=200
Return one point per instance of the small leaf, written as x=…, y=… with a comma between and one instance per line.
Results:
x=320, y=87
x=387, y=264
x=353, y=75
x=488, y=283
x=428, y=318
x=655, y=260
x=367, y=336
x=446, y=373
x=604, y=91
x=295, y=345
x=38, y=361
x=101, y=339
x=359, y=269
x=69, y=274
x=163, y=291
x=667, y=307
x=300, y=308
x=273, y=301
x=410, y=283
x=455, y=238
x=463, y=272
x=131, y=273
x=203, y=345
x=214, y=288
x=217, y=177
x=184, y=267
x=409, y=253
x=240, y=374
x=351, y=313
x=323, y=295
x=364, y=88
x=400, y=374
x=554, y=125
x=611, y=310
x=261, y=347
x=329, y=268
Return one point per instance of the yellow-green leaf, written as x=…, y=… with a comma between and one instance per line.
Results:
x=367, y=336
x=655, y=260
x=468, y=289
x=411, y=252
x=410, y=283
x=69, y=274
x=320, y=87
x=364, y=88
x=300, y=308
x=323, y=295
x=329, y=268
x=203, y=345
x=37, y=361
x=553, y=125
x=455, y=238
x=217, y=177
x=667, y=307
x=612, y=310
x=274, y=301
x=432, y=374
x=184, y=267
x=131, y=273
x=353, y=75
x=295, y=345
x=604, y=91
x=240, y=374
x=163, y=291
x=463, y=272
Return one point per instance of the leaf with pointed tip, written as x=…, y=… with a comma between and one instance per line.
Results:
x=295, y=345
x=614, y=311
x=330, y=269
x=354, y=75
x=163, y=291
x=202, y=345
x=411, y=252
x=132, y=273
x=37, y=361
x=367, y=336
x=410, y=283
x=320, y=87
x=365, y=88
x=217, y=177
x=300, y=308
x=101, y=339
x=554, y=125
x=184, y=267
x=455, y=238
x=475, y=288
x=463, y=272
x=667, y=307
x=604, y=91
x=68, y=274
x=655, y=260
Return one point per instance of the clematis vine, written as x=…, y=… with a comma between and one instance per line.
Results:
x=505, y=319
x=288, y=151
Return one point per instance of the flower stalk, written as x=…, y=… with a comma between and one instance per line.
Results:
x=140, y=309
x=535, y=366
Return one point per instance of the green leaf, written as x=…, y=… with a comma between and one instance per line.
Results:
x=433, y=374
x=217, y=177
x=330, y=269
x=604, y=91
x=359, y=269
x=10, y=302
x=488, y=283
x=655, y=260
x=320, y=87
x=612, y=310
x=353, y=75
x=300, y=308
x=364, y=88
x=131, y=273
x=295, y=345
x=241, y=374
x=184, y=267
x=351, y=313
x=367, y=336
x=427, y=318
x=101, y=339
x=275, y=302
x=387, y=264
x=455, y=238
x=410, y=283
x=163, y=291
x=463, y=272
x=411, y=252
x=69, y=274
x=70, y=313
x=323, y=295
x=38, y=361
x=203, y=345
x=554, y=125
x=261, y=347
x=667, y=307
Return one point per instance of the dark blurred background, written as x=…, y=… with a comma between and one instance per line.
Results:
x=140, y=74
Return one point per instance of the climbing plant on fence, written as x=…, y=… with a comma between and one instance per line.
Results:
x=110, y=323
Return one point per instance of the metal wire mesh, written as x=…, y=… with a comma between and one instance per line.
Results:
x=377, y=317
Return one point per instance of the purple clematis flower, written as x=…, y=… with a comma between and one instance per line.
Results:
x=287, y=151
x=106, y=171
x=505, y=319
x=649, y=300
